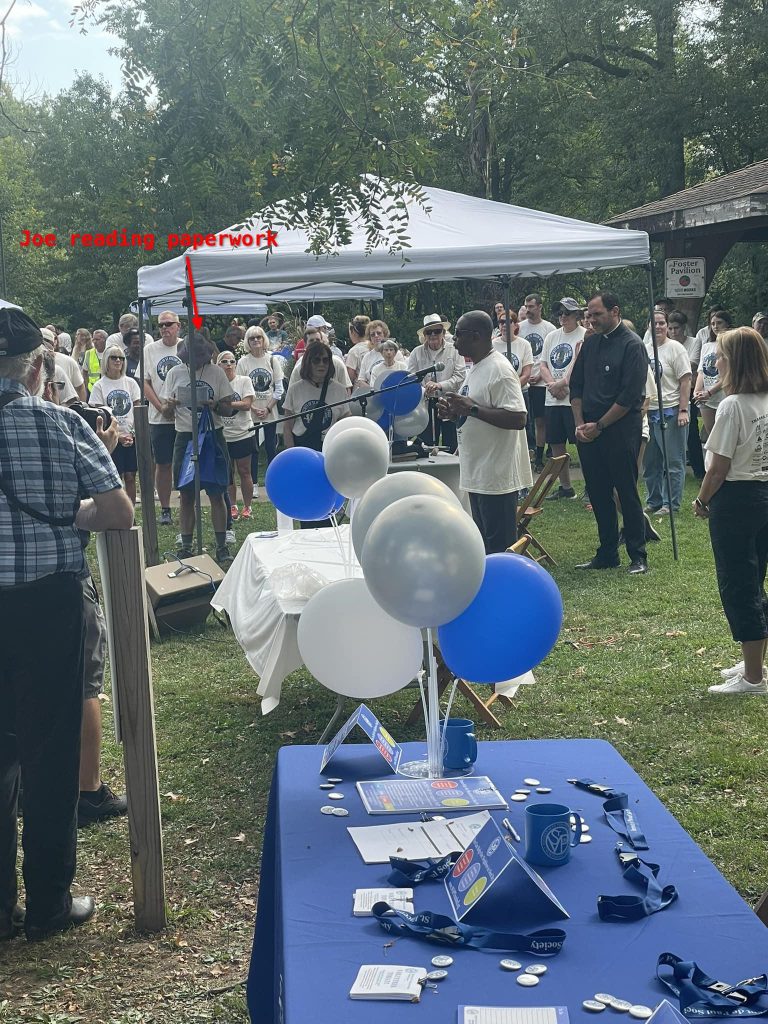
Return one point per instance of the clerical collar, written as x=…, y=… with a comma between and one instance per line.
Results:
x=609, y=333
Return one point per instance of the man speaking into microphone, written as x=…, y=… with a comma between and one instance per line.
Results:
x=490, y=416
x=448, y=377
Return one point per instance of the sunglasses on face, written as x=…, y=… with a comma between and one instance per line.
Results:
x=118, y=359
x=226, y=362
x=168, y=323
x=320, y=359
x=431, y=334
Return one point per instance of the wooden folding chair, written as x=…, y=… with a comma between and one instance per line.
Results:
x=762, y=908
x=444, y=679
x=533, y=506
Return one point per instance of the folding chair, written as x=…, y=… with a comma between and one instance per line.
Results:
x=762, y=908
x=533, y=505
x=444, y=679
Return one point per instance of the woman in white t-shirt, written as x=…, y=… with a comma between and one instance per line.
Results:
x=709, y=388
x=734, y=497
x=375, y=333
x=391, y=360
x=675, y=376
x=266, y=372
x=239, y=435
x=119, y=393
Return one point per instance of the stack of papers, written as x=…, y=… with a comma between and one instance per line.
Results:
x=400, y=899
x=417, y=840
x=513, y=1015
x=388, y=981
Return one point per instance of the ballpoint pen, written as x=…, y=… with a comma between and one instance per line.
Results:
x=511, y=829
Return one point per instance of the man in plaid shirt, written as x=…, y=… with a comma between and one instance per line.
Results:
x=56, y=478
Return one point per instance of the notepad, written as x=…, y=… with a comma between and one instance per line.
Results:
x=417, y=840
x=513, y=1015
x=364, y=899
x=388, y=981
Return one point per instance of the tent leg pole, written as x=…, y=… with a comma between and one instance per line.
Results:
x=193, y=403
x=662, y=424
x=508, y=331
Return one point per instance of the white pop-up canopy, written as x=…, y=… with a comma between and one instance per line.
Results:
x=451, y=236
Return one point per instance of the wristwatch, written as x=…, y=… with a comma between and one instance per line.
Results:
x=600, y=427
x=474, y=410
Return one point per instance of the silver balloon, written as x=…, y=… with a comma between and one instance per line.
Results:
x=355, y=460
x=389, y=489
x=423, y=560
x=374, y=409
x=411, y=424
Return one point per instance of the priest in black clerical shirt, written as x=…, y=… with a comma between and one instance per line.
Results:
x=607, y=394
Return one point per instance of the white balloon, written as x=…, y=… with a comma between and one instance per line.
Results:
x=391, y=488
x=411, y=424
x=374, y=409
x=355, y=460
x=353, y=647
x=423, y=560
x=355, y=423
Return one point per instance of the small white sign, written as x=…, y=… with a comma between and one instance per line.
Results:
x=685, y=278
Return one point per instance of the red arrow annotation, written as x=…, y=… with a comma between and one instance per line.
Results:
x=197, y=320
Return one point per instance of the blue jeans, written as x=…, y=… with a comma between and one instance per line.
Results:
x=653, y=465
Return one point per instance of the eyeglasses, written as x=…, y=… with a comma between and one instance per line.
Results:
x=118, y=359
x=168, y=323
x=429, y=334
x=226, y=362
x=320, y=359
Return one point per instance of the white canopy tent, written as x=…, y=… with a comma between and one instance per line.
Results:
x=451, y=236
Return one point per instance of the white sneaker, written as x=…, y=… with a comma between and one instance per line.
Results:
x=255, y=490
x=229, y=537
x=739, y=685
x=737, y=670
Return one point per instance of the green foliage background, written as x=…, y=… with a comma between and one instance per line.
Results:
x=582, y=109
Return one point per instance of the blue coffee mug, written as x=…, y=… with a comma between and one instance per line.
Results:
x=459, y=745
x=548, y=834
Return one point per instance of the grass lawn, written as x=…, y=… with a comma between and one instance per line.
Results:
x=632, y=666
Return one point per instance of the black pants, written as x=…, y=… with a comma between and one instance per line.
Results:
x=738, y=527
x=695, y=454
x=496, y=518
x=608, y=462
x=41, y=709
x=270, y=447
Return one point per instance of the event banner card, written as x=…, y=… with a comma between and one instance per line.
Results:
x=409, y=796
x=482, y=863
x=391, y=752
x=513, y=1015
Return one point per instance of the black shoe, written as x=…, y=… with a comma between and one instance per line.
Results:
x=638, y=568
x=165, y=518
x=224, y=556
x=83, y=908
x=561, y=492
x=183, y=552
x=11, y=923
x=538, y=467
x=650, y=532
x=108, y=805
x=595, y=563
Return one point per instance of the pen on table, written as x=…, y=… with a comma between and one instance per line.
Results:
x=511, y=829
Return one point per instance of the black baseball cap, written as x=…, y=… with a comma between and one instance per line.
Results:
x=18, y=333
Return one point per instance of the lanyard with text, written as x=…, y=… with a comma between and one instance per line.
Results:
x=701, y=996
x=444, y=930
x=409, y=872
x=617, y=812
x=632, y=908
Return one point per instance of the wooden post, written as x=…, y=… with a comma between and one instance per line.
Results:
x=146, y=483
x=121, y=562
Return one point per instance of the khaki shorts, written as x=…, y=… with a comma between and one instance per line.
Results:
x=94, y=656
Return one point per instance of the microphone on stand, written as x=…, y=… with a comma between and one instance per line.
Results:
x=421, y=374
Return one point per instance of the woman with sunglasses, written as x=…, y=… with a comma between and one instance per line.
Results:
x=266, y=373
x=119, y=393
x=239, y=435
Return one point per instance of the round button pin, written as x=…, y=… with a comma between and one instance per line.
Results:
x=621, y=1005
x=585, y=838
x=641, y=1012
x=603, y=997
x=526, y=791
x=437, y=975
x=326, y=785
x=532, y=782
x=527, y=980
x=510, y=965
x=442, y=961
x=334, y=780
x=341, y=812
x=543, y=789
x=518, y=797
x=327, y=809
x=335, y=796
x=593, y=1005
x=536, y=969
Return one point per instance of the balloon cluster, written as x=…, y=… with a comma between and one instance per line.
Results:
x=424, y=565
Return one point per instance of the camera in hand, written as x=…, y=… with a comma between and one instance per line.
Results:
x=90, y=413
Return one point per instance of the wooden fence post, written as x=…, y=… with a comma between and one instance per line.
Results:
x=121, y=562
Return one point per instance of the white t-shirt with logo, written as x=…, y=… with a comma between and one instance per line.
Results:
x=69, y=367
x=159, y=360
x=117, y=339
x=118, y=396
x=674, y=365
x=535, y=335
x=341, y=376
x=266, y=375
x=239, y=425
x=740, y=434
x=303, y=396
x=492, y=460
x=522, y=354
x=558, y=354
x=212, y=384
x=708, y=367
x=367, y=363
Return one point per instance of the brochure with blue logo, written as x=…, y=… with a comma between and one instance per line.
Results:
x=481, y=865
x=409, y=796
x=391, y=752
x=513, y=1015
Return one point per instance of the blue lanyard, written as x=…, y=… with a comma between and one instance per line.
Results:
x=409, y=873
x=445, y=931
x=617, y=812
x=701, y=996
x=633, y=908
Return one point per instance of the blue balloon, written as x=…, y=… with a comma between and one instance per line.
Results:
x=298, y=486
x=337, y=506
x=510, y=626
x=403, y=399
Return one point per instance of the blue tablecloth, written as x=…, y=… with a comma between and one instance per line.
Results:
x=308, y=946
